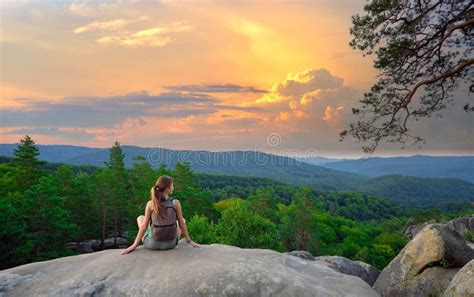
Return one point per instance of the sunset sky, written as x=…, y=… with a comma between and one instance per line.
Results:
x=211, y=75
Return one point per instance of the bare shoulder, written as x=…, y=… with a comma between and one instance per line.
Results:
x=176, y=202
x=149, y=205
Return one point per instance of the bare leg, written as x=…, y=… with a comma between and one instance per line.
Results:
x=140, y=220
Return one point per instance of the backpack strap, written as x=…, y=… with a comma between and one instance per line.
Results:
x=172, y=203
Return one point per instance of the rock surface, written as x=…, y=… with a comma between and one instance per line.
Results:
x=411, y=229
x=343, y=265
x=471, y=245
x=212, y=270
x=301, y=254
x=434, y=245
x=462, y=284
x=432, y=281
x=357, y=268
x=461, y=224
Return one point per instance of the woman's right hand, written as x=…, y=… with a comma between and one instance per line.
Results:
x=129, y=249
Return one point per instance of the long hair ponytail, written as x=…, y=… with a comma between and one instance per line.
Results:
x=157, y=196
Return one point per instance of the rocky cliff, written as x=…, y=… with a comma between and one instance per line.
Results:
x=212, y=270
x=438, y=261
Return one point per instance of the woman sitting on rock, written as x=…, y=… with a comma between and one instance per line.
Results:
x=163, y=232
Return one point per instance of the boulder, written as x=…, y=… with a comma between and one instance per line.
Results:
x=93, y=245
x=463, y=224
x=86, y=246
x=432, y=281
x=435, y=245
x=462, y=284
x=357, y=268
x=343, y=265
x=411, y=229
x=301, y=254
x=109, y=243
x=211, y=270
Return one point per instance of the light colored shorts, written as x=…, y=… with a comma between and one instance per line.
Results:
x=150, y=243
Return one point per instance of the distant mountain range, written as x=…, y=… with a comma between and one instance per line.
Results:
x=399, y=187
x=242, y=163
x=316, y=160
x=417, y=191
x=461, y=167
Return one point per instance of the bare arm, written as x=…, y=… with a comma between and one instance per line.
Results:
x=182, y=223
x=141, y=231
x=143, y=226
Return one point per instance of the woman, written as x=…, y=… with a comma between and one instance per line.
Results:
x=160, y=201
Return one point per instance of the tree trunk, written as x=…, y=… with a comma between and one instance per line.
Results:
x=302, y=240
x=116, y=229
x=102, y=233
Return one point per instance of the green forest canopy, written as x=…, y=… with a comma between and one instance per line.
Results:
x=44, y=206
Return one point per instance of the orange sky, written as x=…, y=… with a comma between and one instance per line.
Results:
x=216, y=75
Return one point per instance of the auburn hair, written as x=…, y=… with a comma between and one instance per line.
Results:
x=157, y=196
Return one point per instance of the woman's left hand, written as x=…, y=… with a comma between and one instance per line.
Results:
x=193, y=244
x=129, y=249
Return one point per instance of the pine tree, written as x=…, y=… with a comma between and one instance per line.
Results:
x=184, y=177
x=26, y=160
x=119, y=186
x=103, y=201
x=142, y=178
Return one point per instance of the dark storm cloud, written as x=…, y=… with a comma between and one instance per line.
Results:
x=78, y=135
x=106, y=112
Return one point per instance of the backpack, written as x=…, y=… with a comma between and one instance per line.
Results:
x=165, y=229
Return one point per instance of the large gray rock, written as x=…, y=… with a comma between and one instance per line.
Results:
x=411, y=229
x=110, y=242
x=471, y=245
x=434, y=245
x=93, y=245
x=357, y=268
x=86, y=246
x=432, y=281
x=212, y=270
x=461, y=224
x=462, y=284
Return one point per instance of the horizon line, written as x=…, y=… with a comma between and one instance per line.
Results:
x=244, y=150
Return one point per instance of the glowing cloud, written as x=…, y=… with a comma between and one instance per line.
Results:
x=302, y=86
x=297, y=84
x=108, y=25
x=148, y=37
x=330, y=113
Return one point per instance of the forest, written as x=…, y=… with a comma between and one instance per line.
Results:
x=43, y=206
